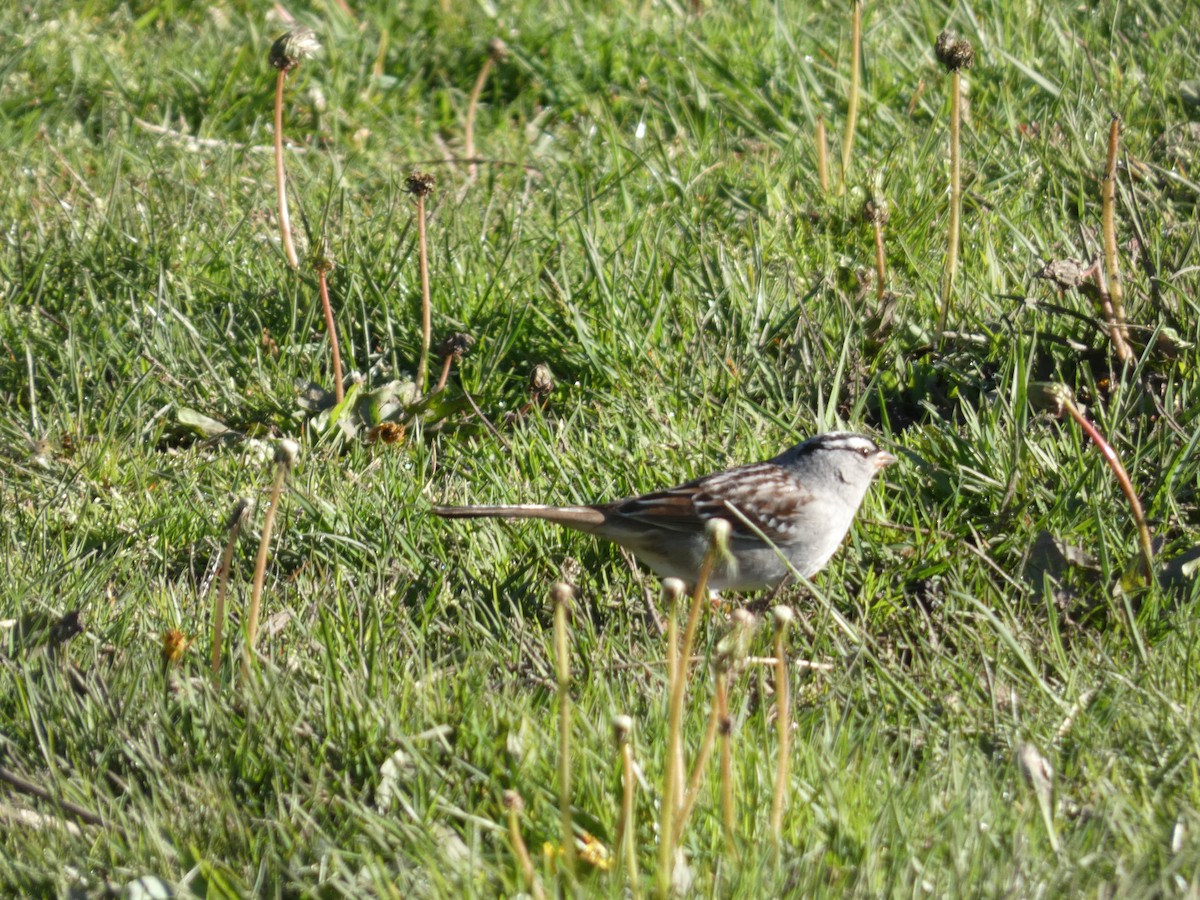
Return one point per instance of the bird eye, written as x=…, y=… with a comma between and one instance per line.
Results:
x=864, y=452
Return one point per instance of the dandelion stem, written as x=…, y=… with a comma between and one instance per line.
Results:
x=472, y=104
x=339, y=389
x=783, y=705
x=240, y=511
x=426, y=302
x=285, y=222
x=725, y=729
x=515, y=805
x=561, y=595
x=852, y=106
x=955, y=203
x=822, y=156
x=1114, y=309
x=284, y=457
x=626, y=827
x=718, y=534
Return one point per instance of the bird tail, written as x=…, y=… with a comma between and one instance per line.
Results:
x=585, y=518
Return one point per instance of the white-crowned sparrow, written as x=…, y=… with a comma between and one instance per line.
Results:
x=802, y=502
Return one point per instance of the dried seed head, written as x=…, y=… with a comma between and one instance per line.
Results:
x=953, y=52
x=876, y=212
x=1052, y=397
x=541, y=381
x=734, y=647
x=497, y=50
x=287, y=453
x=743, y=618
x=240, y=513
x=718, y=531
x=512, y=800
x=420, y=184
x=291, y=49
x=622, y=725
x=322, y=257
x=456, y=345
x=1068, y=273
x=782, y=616
x=561, y=594
x=672, y=589
x=386, y=433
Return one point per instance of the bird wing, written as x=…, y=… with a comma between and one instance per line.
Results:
x=760, y=498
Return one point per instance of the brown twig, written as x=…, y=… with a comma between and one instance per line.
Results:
x=28, y=788
x=1056, y=399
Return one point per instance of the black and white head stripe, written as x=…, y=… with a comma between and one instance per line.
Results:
x=837, y=441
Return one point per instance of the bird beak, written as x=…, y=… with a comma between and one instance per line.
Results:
x=883, y=459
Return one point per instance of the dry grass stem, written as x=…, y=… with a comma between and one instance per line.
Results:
x=285, y=457
x=822, y=156
x=626, y=826
x=1114, y=310
x=697, y=777
x=323, y=263
x=783, y=617
x=875, y=211
x=286, y=54
x=420, y=185
x=725, y=734
x=515, y=805
x=241, y=511
x=497, y=51
x=560, y=595
x=285, y=220
x=718, y=536
x=955, y=54
x=673, y=590
x=855, y=75
x=1056, y=399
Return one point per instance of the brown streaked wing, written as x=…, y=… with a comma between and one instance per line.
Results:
x=765, y=495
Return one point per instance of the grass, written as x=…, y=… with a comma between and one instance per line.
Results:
x=652, y=227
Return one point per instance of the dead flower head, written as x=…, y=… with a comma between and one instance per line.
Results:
x=291, y=49
x=541, y=381
x=456, y=346
x=875, y=212
x=497, y=50
x=386, y=433
x=322, y=257
x=1051, y=397
x=953, y=52
x=420, y=184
